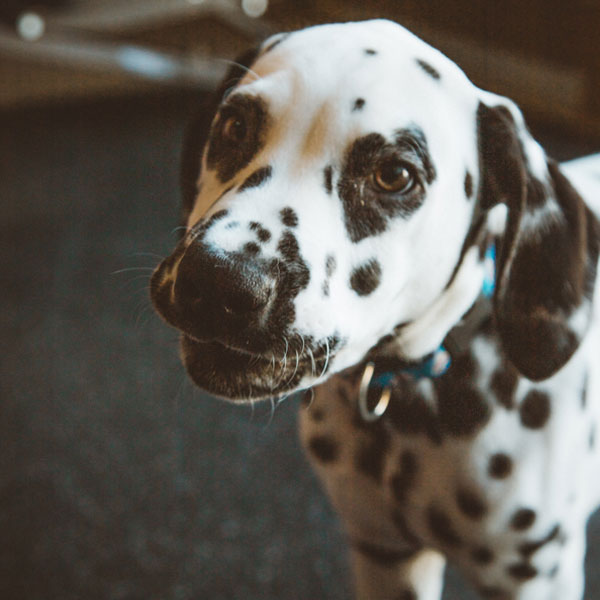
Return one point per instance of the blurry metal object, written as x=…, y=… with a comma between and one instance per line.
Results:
x=117, y=15
x=172, y=69
x=75, y=37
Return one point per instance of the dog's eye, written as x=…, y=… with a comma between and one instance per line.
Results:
x=234, y=129
x=393, y=175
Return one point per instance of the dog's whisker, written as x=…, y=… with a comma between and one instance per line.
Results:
x=326, y=357
x=131, y=269
x=233, y=63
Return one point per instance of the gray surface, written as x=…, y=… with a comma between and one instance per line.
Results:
x=118, y=480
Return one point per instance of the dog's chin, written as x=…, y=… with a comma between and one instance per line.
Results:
x=239, y=376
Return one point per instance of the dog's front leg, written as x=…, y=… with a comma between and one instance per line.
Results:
x=354, y=463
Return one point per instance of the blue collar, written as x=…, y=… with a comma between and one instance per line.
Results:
x=457, y=340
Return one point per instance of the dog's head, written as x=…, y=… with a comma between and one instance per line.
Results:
x=331, y=198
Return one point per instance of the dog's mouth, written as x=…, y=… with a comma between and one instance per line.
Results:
x=242, y=376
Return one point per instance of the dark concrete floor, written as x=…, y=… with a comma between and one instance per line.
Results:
x=117, y=479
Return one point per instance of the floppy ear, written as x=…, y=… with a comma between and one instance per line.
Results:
x=198, y=130
x=549, y=253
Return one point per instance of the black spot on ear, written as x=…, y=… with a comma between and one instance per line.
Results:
x=468, y=184
x=441, y=527
x=257, y=178
x=359, y=104
x=289, y=217
x=470, y=504
x=370, y=52
x=366, y=278
x=522, y=571
x=428, y=69
x=324, y=449
x=500, y=466
x=522, y=519
x=535, y=409
x=382, y=556
x=328, y=178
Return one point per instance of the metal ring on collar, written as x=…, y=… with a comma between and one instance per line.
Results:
x=367, y=414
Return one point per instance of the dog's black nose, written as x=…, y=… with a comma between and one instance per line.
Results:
x=221, y=293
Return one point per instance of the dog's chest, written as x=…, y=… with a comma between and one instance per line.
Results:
x=473, y=462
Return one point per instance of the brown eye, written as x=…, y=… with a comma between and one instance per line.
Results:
x=393, y=175
x=234, y=129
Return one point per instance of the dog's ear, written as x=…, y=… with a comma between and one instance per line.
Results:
x=548, y=256
x=198, y=130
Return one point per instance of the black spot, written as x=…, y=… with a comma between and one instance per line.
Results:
x=325, y=288
x=264, y=235
x=470, y=504
x=228, y=156
x=298, y=274
x=407, y=594
x=522, y=519
x=289, y=217
x=382, y=556
x=592, y=438
x=330, y=264
x=359, y=104
x=328, y=178
x=275, y=42
x=324, y=449
x=257, y=178
x=492, y=592
x=504, y=384
x=428, y=69
x=365, y=279
x=404, y=529
x=482, y=555
x=553, y=572
x=441, y=527
x=535, y=409
x=232, y=225
x=367, y=209
x=404, y=478
x=584, y=393
x=526, y=549
x=409, y=412
x=468, y=184
x=371, y=454
x=370, y=51
x=251, y=249
x=522, y=571
x=462, y=410
x=500, y=466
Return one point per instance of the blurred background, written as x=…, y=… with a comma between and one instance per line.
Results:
x=118, y=480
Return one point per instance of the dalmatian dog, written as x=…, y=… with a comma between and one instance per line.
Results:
x=365, y=223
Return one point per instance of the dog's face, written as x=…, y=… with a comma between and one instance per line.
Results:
x=335, y=191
